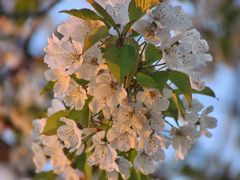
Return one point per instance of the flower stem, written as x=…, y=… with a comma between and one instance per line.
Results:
x=88, y=170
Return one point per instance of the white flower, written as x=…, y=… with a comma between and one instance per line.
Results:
x=192, y=113
x=76, y=96
x=140, y=123
x=188, y=55
x=156, y=122
x=63, y=54
x=54, y=149
x=124, y=169
x=207, y=122
x=122, y=115
x=71, y=135
x=183, y=139
x=195, y=117
x=105, y=91
x=146, y=163
x=155, y=144
x=39, y=157
x=117, y=9
x=124, y=121
x=62, y=81
x=57, y=105
x=119, y=12
x=104, y=155
x=171, y=18
x=38, y=126
x=154, y=100
x=151, y=31
x=121, y=137
x=157, y=25
x=77, y=29
x=92, y=64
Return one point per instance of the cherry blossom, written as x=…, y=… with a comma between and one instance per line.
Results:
x=109, y=109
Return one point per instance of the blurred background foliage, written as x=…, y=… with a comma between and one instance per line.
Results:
x=24, y=28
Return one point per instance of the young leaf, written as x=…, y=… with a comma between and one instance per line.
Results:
x=146, y=4
x=48, y=87
x=53, y=123
x=120, y=61
x=85, y=14
x=179, y=104
x=103, y=13
x=181, y=80
x=152, y=54
x=94, y=36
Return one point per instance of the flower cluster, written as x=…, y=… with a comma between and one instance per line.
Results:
x=123, y=90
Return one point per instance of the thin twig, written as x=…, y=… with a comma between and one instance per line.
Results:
x=143, y=49
x=153, y=66
x=169, y=123
x=139, y=38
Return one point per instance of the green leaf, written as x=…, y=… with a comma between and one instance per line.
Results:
x=155, y=80
x=146, y=80
x=48, y=87
x=131, y=41
x=160, y=77
x=94, y=36
x=132, y=73
x=103, y=13
x=120, y=61
x=53, y=123
x=45, y=176
x=152, y=54
x=134, y=11
x=182, y=82
x=206, y=91
x=172, y=110
x=80, y=116
x=85, y=14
